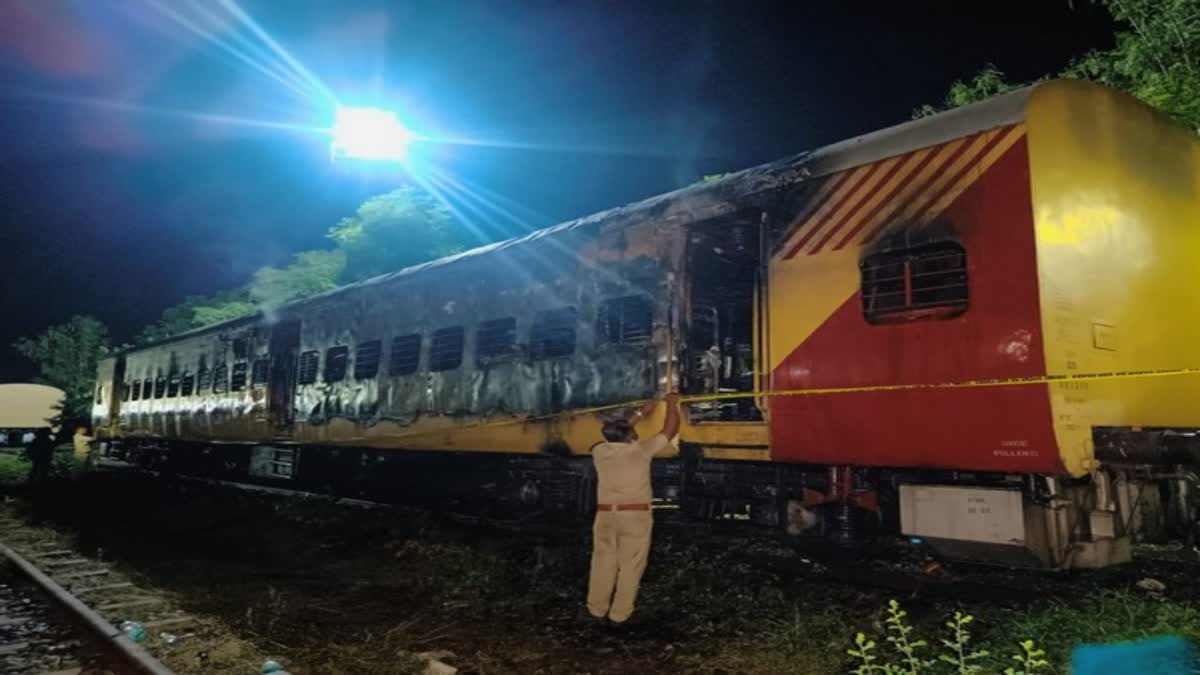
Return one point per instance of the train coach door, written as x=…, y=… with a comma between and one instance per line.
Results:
x=721, y=334
x=281, y=389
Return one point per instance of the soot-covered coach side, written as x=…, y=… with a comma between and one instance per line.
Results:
x=824, y=312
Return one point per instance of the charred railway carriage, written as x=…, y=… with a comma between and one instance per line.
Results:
x=830, y=296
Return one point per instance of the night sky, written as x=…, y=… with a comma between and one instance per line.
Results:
x=124, y=187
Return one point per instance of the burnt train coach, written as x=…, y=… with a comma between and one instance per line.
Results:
x=974, y=328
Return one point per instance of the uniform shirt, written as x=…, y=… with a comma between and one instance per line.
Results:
x=623, y=470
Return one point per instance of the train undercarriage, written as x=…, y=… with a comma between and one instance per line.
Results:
x=1145, y=493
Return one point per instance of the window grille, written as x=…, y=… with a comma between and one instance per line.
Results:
x=625, y=321
x=918, y=283
x=405, y=355
x=553, y=334
x=495, y=338
x=261, y=371
x=366, y=359
x=238, y=381
x=335, y=363
x=310, y=365
x=445, y=353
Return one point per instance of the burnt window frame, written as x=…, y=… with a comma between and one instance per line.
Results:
x=487, y=348
x=953, y=281
x=187, y=385
x=260, y=371
x=204, y=379
x=306, y=374
x=220, y=379
x=412, y=342
x=542, y=333
x=160, y=385
x=135, y=390
x=239, y=376
x=147, y=389
x=241, y=348
x=442, y=355
x=330, y=373
x=364, y=358
x=618, y=310
x=173, y=384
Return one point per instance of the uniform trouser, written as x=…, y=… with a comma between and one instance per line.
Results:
x=620, y=548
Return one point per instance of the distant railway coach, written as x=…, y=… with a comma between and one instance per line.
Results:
x=972, y=328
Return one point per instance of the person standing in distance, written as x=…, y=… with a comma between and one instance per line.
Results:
x=621, y=533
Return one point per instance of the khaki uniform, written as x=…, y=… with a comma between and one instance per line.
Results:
x=81, y=455
x=621, y=539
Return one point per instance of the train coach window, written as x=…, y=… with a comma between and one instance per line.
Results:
x=135, y=390
x=625, y=321
x=237, y=382
x=445, y=353
x=220, y=379
x=405, y=356
x=310, y=365
x=204, y=378
x=366, y=359
x=924, y=282
x=160, y=386
x=261, y=371
x=173, y=385
x=187, y=385
x=124, y=391
x=553, y=333
x=335, y=363
x=147, y=388
x=241, y=348
x=495, y=338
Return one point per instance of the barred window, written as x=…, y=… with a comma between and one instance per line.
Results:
x=553, y=334
x=445, y=353
x=173, y=385
x=238, y=380
x=135, y=390
x=366, y=359
x=241, y=348
x=335, y=363
x=204, y=379
x=405, y=355
x=261, y=371
x=495, y=338
x=923, y=282
x=625, y=321
x=147, y=388
x=220, y=379
x=187, y=385
x=160, y=386
x=310, y=365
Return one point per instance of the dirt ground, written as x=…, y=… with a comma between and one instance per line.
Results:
x=338, y=589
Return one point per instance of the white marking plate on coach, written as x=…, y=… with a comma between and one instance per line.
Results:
x=988, y=515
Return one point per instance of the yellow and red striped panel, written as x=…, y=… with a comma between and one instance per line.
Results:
x=855, y=206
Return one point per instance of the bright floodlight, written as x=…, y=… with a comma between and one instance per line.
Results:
x=370, y=133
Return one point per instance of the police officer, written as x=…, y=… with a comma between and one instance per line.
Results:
x=40, y=453
x=621, y=533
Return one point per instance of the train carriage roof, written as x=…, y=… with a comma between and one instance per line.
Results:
x=713, y=199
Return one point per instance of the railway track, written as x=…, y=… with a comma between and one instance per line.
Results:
x=46, y=629
x=62, y=613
